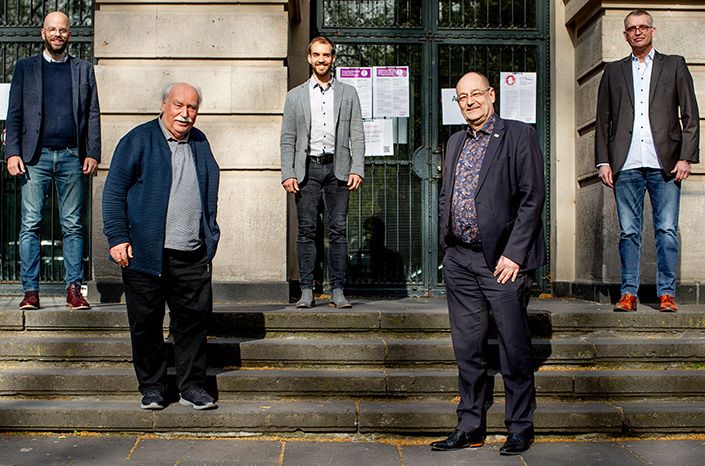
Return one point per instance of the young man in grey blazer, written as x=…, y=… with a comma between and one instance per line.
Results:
x=647, y=134
x=53, y=132
x=322, y=153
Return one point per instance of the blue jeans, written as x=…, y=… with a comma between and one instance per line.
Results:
x=665, y=193
x=322, y=181
x=64, y=166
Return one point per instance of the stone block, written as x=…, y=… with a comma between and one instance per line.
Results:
x=585, y=155
x=252, y=218
x=586, y=101
x=589, y=231
x=73, y=415
x=224, y=31
x=414, y=382
x=419, y=351
x=563, y=352
x=261, y=417
x=553, y=383
x=66, y=449
x=648, y=383
x=652, y=351
x=296, y=382
x=406, y=417
x=66, y=382
x=691, y=260
x=48, y=348
x=415, y=321
x=92, y=319
x=11, y=320
x=228, y=322
x=577, y=417
x=664, y=417
x=588, y=48
x=115, y=127
x=103, y=267
x=228, y=87
x=192, y=451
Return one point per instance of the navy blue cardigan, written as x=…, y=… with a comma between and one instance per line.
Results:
x=136, y=194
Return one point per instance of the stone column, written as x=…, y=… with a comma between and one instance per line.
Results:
x=236, y=54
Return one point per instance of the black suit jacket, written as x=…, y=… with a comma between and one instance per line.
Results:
x=671, y=91
x=510, y=195
x=24, y=113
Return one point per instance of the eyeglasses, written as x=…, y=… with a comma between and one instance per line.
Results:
x=642, y=29
x=52, y=31
x=476, y=94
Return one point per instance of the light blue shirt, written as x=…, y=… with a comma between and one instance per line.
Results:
x=642, y=150
x=322, y=136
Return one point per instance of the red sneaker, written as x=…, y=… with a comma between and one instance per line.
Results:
x=74, y=298
x=626, y=303
x=30, y=301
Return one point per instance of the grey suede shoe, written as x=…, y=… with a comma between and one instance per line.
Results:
x=306, y=298
x=338, y=300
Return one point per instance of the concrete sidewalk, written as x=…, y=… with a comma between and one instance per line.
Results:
x=103, y=449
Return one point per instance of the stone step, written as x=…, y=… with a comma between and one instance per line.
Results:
x=342, y=417
x=236, y=352
x=547, y=318
x=357, y=384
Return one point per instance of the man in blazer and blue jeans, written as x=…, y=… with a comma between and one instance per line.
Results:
x=322, y=154
x=53, y=132
x=490, y=208
x=647, y=134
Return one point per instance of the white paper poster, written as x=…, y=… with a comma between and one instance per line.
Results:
x=517, y=92
x=391, y=91
x=4, y=99
x=379, y=137
x=361, y=79
x=451, y=111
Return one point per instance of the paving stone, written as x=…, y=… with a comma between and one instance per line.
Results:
x=664, y=417
x=200, y=451
x=419, y=351
x=420, y=320
x=668, y=453
x=487, y=455
x=334, y=453
x=278, y=416
x=579, y=454
x=63, y=450
x=254, y=322
x=632, y=321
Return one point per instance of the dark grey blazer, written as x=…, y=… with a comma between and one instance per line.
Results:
x=671, y=90
x=349, y=133
x=509, y=198
x=24, y=115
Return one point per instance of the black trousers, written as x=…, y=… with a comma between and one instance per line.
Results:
x=185, y=286
x=472, y=292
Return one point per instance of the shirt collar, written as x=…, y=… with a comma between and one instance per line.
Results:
x=312, y=83
x=649, y=57
x=168, y=136
x=487, y=128
x=48, y=58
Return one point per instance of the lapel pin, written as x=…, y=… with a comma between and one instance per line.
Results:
x=496, y=135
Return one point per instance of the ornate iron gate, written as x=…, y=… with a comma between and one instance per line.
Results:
x=393, y=227
x=19, y=38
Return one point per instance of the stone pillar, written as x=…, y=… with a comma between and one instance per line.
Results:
x=596, y=30
x=235, y=53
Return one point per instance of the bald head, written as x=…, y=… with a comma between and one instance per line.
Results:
x=475, y=99
x=474, y=77
x=56, y=34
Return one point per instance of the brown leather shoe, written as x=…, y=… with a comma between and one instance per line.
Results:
x=30, y=301
x=667, y=303
x=626, y=303
x=74, y=298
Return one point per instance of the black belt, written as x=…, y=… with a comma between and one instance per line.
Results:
x=324, y=159
x=55, y=148
x=475, y=246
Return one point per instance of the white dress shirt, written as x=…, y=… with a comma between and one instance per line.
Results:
x=322, y=136
x=642, y=151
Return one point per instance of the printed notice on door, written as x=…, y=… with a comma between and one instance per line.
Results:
x=379, y=137
x=360, y=79
x=390, y=91
x=517, y=96
x=4, y=100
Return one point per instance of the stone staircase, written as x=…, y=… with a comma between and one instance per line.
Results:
x=385, y=366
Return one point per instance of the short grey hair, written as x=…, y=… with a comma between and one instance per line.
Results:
x=639, y=12
x=169, y=87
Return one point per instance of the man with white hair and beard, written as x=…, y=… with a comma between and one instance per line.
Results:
x=159, y=214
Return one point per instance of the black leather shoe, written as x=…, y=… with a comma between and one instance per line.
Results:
x=460, y=439
x=516, y=443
